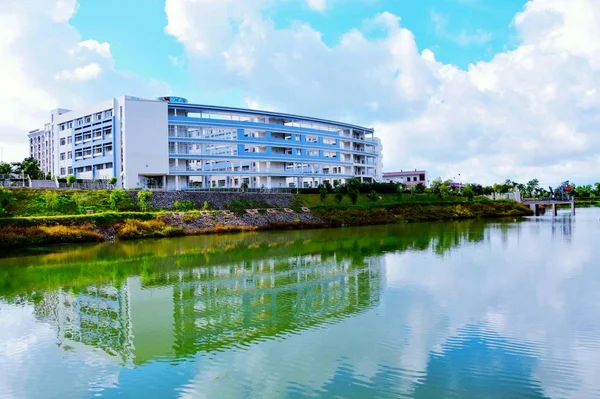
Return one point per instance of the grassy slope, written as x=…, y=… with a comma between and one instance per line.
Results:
x=35, y=224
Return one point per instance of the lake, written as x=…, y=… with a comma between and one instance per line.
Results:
x=467, y=309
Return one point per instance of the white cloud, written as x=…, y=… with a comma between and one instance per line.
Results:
x=46, y=65
x=530, y=112
x=317, y=5
x=90, y=71
x=103, y=49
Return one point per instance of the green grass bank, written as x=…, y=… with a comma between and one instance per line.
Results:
x=43, y=217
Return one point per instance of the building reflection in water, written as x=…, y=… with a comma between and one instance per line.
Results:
x=211, y=308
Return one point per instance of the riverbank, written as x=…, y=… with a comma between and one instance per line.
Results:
x=107, y=226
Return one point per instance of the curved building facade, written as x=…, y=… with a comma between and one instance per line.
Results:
x=171, y=144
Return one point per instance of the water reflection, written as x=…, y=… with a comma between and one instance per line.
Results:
x=452, y=310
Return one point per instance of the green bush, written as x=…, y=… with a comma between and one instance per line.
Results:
x=240, y=206
x=183, y=205
x=120, y=200
x=144, y=198
x=113, y=181
x=373, y=196
x=338, y=195
x=322, y=193
x=7, y=197
x=58, y=204
x=96, y=200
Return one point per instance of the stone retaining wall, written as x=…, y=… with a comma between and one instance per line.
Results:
x=260, y=220
x=165, y=199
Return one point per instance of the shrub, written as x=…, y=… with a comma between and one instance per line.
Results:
x=58, y=204
x=144, y=198
x=205, y=206
x=71, y=179
x=113, y=181
x=119, y=200
x=7, y=197
x=353, y=186
x=183, y=205
x=147, y=229
x=190, y=217
x=322, y=193
x=18, y=236
x=373, y=196
x=338, y=195
x=240, y=206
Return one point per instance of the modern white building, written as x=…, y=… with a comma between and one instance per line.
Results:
x=171, y=144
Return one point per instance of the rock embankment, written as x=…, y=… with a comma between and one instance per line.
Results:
x=192, y=222
x=166, y=199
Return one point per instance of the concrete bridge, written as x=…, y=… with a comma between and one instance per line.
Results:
x=536, y=205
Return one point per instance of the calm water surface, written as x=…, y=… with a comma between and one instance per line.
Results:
x=449, y=310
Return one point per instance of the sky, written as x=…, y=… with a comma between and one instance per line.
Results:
x=485, y=89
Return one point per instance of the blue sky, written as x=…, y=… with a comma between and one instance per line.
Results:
x=460, y=32
x=451, y=88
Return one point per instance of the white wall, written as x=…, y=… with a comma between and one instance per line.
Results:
x=145, y=139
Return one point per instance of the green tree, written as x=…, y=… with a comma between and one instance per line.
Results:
x=144, y=197
x=496, y=189
x=71, y=179
x=112, y=181
x=436, y=185
x=532, y=187
x=597, y=189
x=468, y=191
x=445, y=188
x=30, y=166
x=5, y=168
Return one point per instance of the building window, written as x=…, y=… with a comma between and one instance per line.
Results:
x=100, y=166
x=79, y=122
x=99, y=116
x=70, y=124
x=88, y=119
x=70, y=169
x=108, y=114
x=62, y=156
x=63, y=141
x=70, y=155
x=88, y=168
x=69, y=140
x=109, y=165
x=62, y=171
x=62, y=126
